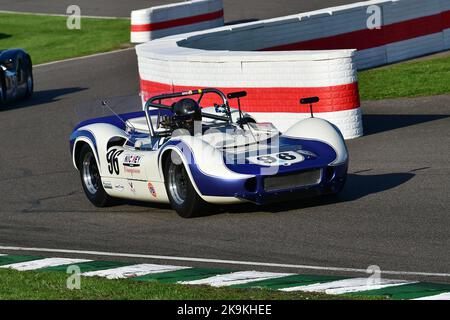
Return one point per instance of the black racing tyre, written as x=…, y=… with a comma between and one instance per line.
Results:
x=182, y=195
x=30, y=83
x=91, y=180
x=2, y=91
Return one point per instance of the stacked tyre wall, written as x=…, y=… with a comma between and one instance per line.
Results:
x=278, y=61
x=161, y=21
x=409, y=28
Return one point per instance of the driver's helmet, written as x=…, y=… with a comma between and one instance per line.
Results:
x=185, y=112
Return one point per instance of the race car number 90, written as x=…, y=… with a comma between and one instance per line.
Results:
x=285, y=158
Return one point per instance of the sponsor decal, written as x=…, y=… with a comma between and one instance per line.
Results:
x=132, y=170
x=132, y=187
x=119, y=187
x=151, y=188
x=107, y=185
x=132, y=161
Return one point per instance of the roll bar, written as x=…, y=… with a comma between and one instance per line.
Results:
x=156, y=102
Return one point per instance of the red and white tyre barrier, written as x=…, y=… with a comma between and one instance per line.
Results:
x=409, y=28
x=275, y=82
x=269, y=58
x=166, y=20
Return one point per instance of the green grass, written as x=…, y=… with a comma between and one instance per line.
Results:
x=52, y=285
x=46, y=38
x=408, y=79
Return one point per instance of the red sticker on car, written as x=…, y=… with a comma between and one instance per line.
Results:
x=151, y=188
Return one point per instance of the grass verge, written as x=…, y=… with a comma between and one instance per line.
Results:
x=407, y=79
x=52, y=285
x=47, y=38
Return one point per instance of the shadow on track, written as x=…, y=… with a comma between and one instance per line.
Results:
x=357, y=186
x=4, y=35
x=41, y=97
x=377, y=123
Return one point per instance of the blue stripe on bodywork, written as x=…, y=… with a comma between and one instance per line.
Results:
x=325, y=155
x=223, y=187
x=113, y=120
x=207, y=185
x=82, y=133
x=119, y=121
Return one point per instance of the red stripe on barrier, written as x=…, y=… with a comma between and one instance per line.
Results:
x=333, y=98
x=446, y=19
x=366, y=39
x=176, y=22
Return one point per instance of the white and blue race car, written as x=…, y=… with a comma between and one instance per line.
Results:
x=177, y=152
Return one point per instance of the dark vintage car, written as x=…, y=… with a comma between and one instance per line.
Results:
x=16, y=75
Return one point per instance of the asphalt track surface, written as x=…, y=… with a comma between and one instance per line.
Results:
x=394, y=211
x=234, y=9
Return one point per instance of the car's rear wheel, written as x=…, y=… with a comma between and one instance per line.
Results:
x=30, y=83
x=182, y=195
x=91, y=179
x=2, y=92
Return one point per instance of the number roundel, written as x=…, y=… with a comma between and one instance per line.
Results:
x=113, y=161
x=286, y=156
x=267, y=159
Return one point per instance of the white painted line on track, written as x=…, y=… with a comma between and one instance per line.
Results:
x=82, y=57
x=63, y=15
x=42, y=263
x=220, y=261
x=348, y=286
x=442, y=296
x=234, y=278
x=132, y=271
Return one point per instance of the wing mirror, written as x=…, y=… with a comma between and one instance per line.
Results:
x=237, y=94
x=310, y=101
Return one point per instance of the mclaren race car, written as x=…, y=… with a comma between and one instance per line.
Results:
x=177, y=152
x=16, y=75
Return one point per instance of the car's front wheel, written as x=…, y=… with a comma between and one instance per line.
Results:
x=91, y=180
x=182, y=195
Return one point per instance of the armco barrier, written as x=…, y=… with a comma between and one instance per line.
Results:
x=165, y=20
x=262, y=57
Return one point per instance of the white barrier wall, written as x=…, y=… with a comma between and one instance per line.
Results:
x=263, y=58
x=409, y=28
x=274, y=81
x=166, y=20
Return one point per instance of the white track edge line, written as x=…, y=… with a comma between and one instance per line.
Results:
x=62, y=15
x=220, y=261
x=82, y=57
x=441, y=296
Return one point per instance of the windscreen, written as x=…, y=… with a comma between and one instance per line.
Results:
x=106, y=107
